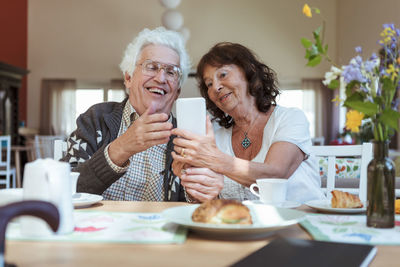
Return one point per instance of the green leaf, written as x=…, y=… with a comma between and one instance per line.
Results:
x=315, y=61
x=355, y=97
x=314, y=50
x=334, y=84
x=368, y=108
x=350, y=86
x=306, y=43
x=387, y=84
x=390, y=117
x=326, y=49
x=317, y=32
x=317, y=11
x=318, y=43
x=308, y=54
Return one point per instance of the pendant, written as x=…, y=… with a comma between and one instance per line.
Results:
x=246, y=141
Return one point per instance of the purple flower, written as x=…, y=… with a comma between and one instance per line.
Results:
x=373, y=56
x=383, y=72
x=353, y=73
x=388, y=25
x=358, y=49
x=397, y=32
x=358, y=60
x=369, y=65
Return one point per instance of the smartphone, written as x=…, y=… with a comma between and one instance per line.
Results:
x=191, y=114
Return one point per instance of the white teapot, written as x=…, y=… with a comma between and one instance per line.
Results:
x=48, y=180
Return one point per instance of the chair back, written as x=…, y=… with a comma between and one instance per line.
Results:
x=5, y=159
x=44, y=145
x=60, y=148
x=363, y=151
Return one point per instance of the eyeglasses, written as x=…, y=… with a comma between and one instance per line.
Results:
x=152, y=68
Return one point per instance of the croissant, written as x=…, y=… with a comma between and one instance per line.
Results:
x=342, y=199
x=222, y=211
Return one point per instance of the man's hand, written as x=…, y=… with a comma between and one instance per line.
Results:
x=147, y=131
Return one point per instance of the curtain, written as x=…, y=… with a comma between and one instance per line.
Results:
x=326, y=112
x=57, y=114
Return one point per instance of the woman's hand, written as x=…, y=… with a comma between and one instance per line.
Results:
x=202, y=183
x=196, y=150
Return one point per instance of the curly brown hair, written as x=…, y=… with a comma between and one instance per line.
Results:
x=261, y=79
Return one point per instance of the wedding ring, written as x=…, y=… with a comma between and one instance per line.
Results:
x=183, y=152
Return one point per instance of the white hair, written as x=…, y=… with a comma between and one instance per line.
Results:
x=158, y=36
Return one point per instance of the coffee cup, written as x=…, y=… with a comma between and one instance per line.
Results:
x=270, y=190
x=74, y=180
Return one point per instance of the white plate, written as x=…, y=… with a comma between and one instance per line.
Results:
x=81, y=200
x=325, y=205
x=266, y=218
x=287, y=204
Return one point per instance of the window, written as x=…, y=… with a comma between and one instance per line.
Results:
x=85, y=98
x=302, y=99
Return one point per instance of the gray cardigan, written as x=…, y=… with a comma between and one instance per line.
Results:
x=96, y=128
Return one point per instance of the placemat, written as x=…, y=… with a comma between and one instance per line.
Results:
x=114, y=227
x=350, y=229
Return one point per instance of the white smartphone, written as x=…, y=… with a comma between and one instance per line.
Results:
x=191, y=114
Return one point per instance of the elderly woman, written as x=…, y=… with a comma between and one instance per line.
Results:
x=257, y=138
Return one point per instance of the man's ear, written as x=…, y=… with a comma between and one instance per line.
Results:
x=127, y=77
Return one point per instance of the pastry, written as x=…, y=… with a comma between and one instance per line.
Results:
x=222, y=211
x=342, y=199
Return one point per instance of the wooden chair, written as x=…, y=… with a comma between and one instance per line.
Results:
x=6, y=169
x=363, y=151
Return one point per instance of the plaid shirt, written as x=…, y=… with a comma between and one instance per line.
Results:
x=143, y=180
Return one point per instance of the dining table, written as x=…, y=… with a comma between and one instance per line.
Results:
x=197, y=250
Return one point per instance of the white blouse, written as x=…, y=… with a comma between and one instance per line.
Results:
x=284, y=124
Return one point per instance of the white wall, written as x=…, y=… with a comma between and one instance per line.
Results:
x=84, y=39
x=360, y=24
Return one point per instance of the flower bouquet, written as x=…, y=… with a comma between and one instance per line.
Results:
x=370, y=85
x=371, y=94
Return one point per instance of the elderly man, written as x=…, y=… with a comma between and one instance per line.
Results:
x=123, y=150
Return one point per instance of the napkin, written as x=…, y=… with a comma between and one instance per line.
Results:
x=114, y=227
x=350, y=229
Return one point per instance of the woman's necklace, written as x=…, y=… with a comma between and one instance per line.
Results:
x=246, y=142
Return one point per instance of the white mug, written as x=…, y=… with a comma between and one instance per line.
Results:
x=48, y=180
x=270, y=190
x=74, y=180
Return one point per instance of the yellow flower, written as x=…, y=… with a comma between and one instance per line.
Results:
x=387, y=35
x=393, y=71
x=307, y=11
x=337, y=100
x=353, y=120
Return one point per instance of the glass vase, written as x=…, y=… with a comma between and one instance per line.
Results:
x=381, y=188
